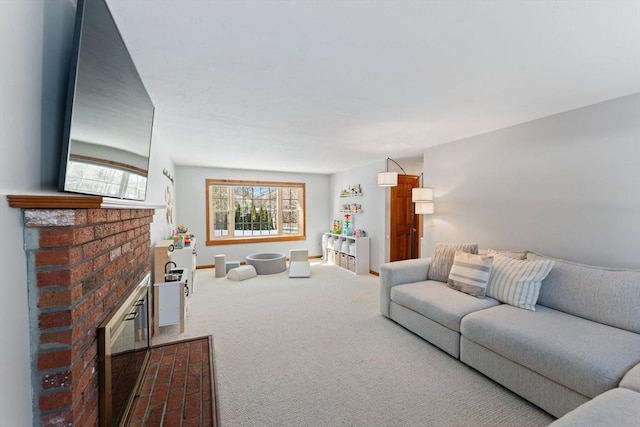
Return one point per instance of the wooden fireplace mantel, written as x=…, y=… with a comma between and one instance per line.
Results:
x=74, y=201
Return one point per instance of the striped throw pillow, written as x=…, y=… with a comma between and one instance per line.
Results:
x=442, y=259
x=470, y=273
x=517, y=282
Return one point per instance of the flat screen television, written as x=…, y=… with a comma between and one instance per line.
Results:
x=109, y=114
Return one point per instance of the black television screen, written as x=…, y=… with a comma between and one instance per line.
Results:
x=109, y=115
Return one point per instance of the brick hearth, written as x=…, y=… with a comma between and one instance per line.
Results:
x=81, y=264
x=178, y=389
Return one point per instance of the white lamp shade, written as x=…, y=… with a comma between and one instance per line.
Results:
x=423, y=208
x=422, y=194
x=387, y=179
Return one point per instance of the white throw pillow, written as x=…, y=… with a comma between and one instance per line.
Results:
x=517, y=282
x=470, y=273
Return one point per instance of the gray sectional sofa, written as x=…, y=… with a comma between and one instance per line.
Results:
x=582, y=340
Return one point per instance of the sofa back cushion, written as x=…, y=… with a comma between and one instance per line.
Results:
x=511, y=254
x=604, y=295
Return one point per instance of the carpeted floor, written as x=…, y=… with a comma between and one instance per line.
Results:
x=316, y=352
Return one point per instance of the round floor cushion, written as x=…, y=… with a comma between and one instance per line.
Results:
x=268, y=262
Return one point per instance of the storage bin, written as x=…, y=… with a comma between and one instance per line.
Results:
x=336, y=244
x=351, y=263
x=331, y=256
x=343, y=260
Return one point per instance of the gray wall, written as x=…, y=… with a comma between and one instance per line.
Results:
x=191, y=203
x=567, y=186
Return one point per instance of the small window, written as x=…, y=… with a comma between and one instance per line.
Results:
x=250, y=211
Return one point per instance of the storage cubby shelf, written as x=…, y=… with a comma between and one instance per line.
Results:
x=356, y=262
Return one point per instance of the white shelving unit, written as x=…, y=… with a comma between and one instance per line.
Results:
x=353, y=258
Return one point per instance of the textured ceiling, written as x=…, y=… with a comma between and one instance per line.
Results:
x=323, y=86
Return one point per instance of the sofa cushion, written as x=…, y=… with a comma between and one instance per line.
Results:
x=438, y=302
x=631, y=379
x=442, y=259
x=617, y=407
x=470, y=273
x=517, y=282
x=604, y=295
x=582, y=355
x=510, y=254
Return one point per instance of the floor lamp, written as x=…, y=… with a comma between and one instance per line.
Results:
x=422, y=197
x=389, y=179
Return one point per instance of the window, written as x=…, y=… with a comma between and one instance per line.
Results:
x=250, y=211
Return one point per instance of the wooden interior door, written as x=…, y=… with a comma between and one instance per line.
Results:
x=403, y=222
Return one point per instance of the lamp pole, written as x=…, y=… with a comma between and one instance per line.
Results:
x=412, y=232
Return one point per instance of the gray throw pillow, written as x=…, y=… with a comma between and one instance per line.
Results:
x=470, y=273
x=442, y=259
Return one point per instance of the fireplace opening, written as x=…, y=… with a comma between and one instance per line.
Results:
x=123, y=352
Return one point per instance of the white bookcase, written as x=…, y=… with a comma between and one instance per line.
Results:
x=350, y=253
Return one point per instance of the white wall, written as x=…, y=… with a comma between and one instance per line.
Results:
x=567, y=186
x=35, y=45
x=191, y=200
x=159, y=161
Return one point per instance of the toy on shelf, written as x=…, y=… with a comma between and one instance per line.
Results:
x=351, y=207
x=347, y=225
x=181, y=237
x=337, y=227
x=352, y=191
x=359, y=233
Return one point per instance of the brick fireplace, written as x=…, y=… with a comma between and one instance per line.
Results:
x=82, y=262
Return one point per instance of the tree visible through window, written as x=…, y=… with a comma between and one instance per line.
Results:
x=242, y=211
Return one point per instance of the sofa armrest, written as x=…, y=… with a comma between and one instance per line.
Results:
x=631, y=379
x=398, y=273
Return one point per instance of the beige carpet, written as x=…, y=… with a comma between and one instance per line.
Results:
x=316, y=352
